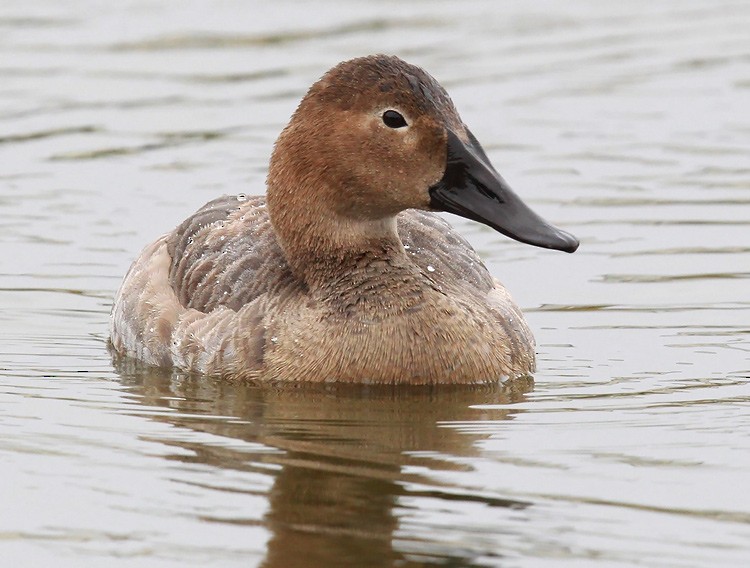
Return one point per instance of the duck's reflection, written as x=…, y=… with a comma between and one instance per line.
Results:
x=344, y=459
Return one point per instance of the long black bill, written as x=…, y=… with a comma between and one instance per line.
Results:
x=473, y=189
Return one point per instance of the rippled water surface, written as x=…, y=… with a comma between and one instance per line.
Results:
x=627, y=123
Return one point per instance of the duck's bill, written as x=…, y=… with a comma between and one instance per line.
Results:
x=473, y=189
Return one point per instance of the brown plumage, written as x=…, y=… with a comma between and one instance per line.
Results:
x=340, y=273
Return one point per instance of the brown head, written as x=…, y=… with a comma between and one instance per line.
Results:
x=373, y=137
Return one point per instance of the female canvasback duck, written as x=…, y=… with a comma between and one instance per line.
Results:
x=342, y=272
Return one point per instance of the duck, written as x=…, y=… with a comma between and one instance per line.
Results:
x=344, y=271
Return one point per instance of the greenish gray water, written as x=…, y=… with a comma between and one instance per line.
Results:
x=625, y=123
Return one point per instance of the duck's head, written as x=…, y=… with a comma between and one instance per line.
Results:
x=375, y=136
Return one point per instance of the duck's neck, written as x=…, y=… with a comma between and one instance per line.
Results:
x=327, y=250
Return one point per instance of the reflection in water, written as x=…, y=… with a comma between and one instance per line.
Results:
x=340, y=457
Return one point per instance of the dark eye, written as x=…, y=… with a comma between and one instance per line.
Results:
x=393, y=119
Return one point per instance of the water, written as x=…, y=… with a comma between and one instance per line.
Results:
x=625, y=122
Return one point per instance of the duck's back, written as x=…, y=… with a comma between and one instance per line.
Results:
x=227, y=254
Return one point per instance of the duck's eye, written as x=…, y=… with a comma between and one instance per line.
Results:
x=393, y=119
